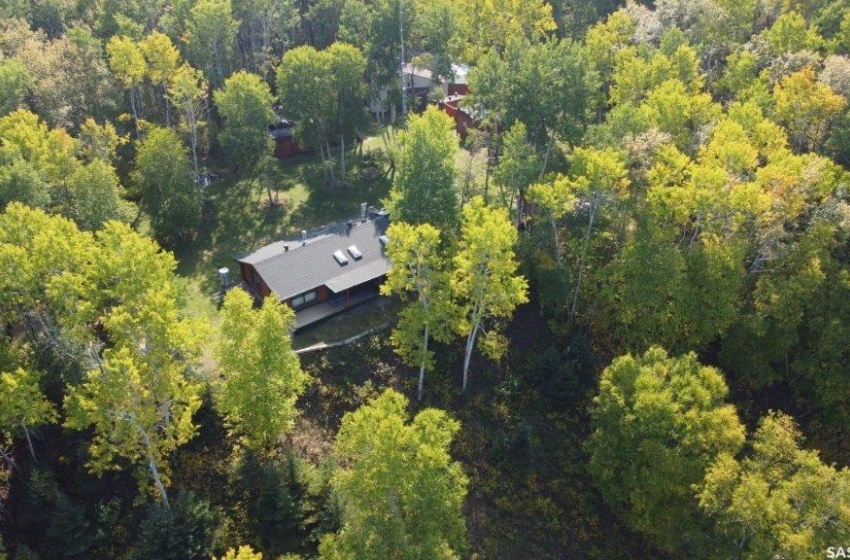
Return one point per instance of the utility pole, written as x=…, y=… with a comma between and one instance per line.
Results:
x=403, y=85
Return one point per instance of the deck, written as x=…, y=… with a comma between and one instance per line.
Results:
x=325, y=310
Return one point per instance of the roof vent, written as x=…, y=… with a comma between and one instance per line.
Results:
x=340, y=258
x=384, y=240
x=355, y=252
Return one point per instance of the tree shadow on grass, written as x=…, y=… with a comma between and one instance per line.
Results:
x=238, y=218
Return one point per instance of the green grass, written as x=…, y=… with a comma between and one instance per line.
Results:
x=238, y=218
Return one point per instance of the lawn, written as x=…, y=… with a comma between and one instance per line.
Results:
x=239, y=219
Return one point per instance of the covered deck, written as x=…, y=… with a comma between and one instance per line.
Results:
x=334, y=306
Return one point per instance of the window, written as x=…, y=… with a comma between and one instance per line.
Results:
x=303, y=299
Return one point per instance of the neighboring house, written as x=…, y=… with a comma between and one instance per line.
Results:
x=463, y=116
x=284, y=143
x=324, y=272
x=419, y=83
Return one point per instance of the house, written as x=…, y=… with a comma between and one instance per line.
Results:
x=463, y=116
x=284, y=143
x=419, y=83
x=325, y=271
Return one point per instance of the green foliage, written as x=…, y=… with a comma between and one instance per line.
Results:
x=245, y=102
x=519, y=165
x=485, y=281
x=402, y=494
x=163, y=180
x=423, y=191
x=24, y=405
x=243, y=553
x=658, y=424
x=547, y=86
x=15, y=82
x=418, y=271
x=271, y=493
x=806, y=108
x=262, y=377
x=778, y=500
x=211, y=39
x=96, y=196
x=20, y=181
x=186, y=532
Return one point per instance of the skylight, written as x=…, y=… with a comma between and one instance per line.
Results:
x=340, y=258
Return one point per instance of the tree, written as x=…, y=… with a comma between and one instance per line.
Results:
x=21, y=181
x=188, y=92
x=163, y=179
x=423, y=191
x=778, y=500
x=347, y=68
x=24, y=405
x=261, y=375
x=596, y=177
x=486, y=24
x=243, y=553
x=306, y=93
x=138, y=411
x=99, y=142
x=806, y=108
x=402, y=494
x=162, y=61
x=186, y=532
x=96, y=196
x=211, y=36
x=325, y=93
x=128, y=64
x=245, y=102
x=518, y=167
x=658, y=424
x=15, y=82
x=417, y=269
x=485, y=279
x=547, y=86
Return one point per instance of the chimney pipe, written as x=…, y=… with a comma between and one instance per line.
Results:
x=224, y=277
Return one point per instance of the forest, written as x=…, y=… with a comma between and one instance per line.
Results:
x=615, y=320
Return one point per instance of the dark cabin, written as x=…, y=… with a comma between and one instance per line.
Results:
x=325, y=271
x=284, y=143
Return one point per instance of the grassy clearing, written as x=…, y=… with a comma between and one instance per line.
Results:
x=239, y=219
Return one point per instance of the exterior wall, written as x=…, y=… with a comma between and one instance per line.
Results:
x=457, y=89
x=287, y=147
x=463, y=122
x=253, y=279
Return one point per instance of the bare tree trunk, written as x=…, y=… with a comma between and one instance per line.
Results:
x=330, y=164
x=585, y=242
x=342, y=158
x=422, y=365
x=152, y=465
x=134, y=110
x=546, y=156
x=193, y=134
x=470, y=345
x=324, y=163
x=557, y=241
x=29, y=441
x=167, y=105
